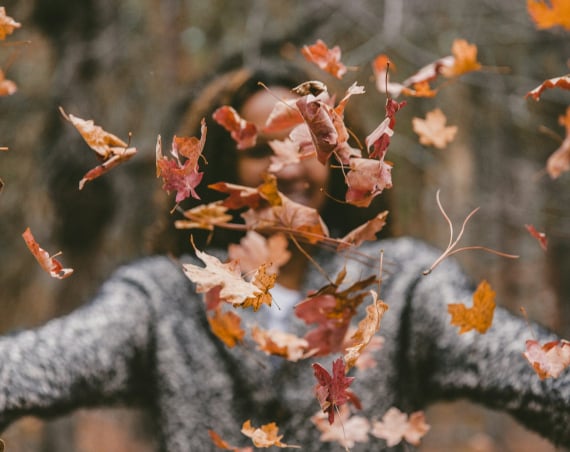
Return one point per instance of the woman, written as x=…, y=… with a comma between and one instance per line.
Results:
x=145, y=339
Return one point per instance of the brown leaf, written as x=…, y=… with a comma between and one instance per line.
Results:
x=7, y=87
x=558, y=82
x=264, y=436
x=278, y=343
x=7, y=24
x=327, y=59
x=204, y=216
x=49, y=263
x=366, y=231
x=244, y=133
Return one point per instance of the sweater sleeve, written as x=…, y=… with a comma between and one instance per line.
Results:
x=440, y=364
x=96, y=355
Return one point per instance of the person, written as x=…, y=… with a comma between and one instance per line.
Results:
x=144, y=338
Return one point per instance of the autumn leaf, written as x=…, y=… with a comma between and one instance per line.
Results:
x=559, y=160
x=254, y=250
x=110, y=149
x=239, y=195
x=264, y=436
x=182, y=177
x=366, y=179
x=464, y=59
x=49, y=263
x=346, y=430
x=366, y=231
x=243, y=132
x=557, y=82
x=327, y=59
x=480, y=316
x=366, y=330
x=279, y=343
x=219, y=442
x=7, y=87
x=7, y=24
x=550, y=359
x=549, y=14
x=284, y=116
x=432, y=130
x=332, y=390
x=539, y=236
x=264, y=281
x=396, y=426
x=204, y=216
x=226, y=326
x=285, y=152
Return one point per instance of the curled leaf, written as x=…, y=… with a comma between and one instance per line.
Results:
x=49, y=263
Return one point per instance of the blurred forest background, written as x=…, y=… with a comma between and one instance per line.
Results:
x=127, y=63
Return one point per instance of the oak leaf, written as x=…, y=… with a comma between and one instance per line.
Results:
x=327, y=59
x=557, y=82
x=433, y=131
x=396, y=426
x=7, y=24
x=49, y=263
x=110, y=149
x=550, y=359
x=480, y=316
x=346, y=430
x=279, y=343
x=264, y=436
x=254, y=250
x=226, y=326
x=539, y=236
x=243, y=132
x=547, y=15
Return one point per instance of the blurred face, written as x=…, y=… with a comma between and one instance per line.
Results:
x=300, y=182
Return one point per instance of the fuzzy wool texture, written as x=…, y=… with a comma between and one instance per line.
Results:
x=144, y=340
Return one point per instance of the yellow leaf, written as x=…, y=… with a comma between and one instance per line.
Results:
x=478, y=317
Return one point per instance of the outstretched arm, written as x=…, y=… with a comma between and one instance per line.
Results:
x=96, y=355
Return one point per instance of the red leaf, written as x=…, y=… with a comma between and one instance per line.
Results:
x=540, y=236
x=558, y=82
x=49, y=263
x=244, y=133
x=366, y=179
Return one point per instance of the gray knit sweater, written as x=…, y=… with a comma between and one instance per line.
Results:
x=144, y=339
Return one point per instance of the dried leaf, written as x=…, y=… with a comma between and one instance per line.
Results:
x=226, y=326
x=558, y=82
x=366, y=231
x=204, y=216
x=49, y=263
x=7, y=24
x=547, y=15
x=464, y=59
x=264, y=281
x=346, y=430
x=395, y=427
x=480, y=316
x=559, y=160
x=264, y=436
x=432, y=130
x=539, y=236
x=254, y=250
x=366, y=179
x=278, y=343
x=243, y=132
x=7, y=87
x=550, y=359
x=219, y=442
x=327, y=59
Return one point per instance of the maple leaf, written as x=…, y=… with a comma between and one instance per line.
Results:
x=557, y=82
x=547, y=16
x=559, y=160
x=366, y=330
x=177, y=176
x=233, y=288
x=219, y=442
x=284, y=116
x=243, y=132
x=110, y=149
x=204, y=216
x=285, y=152
x=239, y=195
x=464, y=59
x=480, y=316
x=226, y=326
x=539, y=236
x=327, y=59
x=7, y=87
x=346, y=430
x=264, y=281
x=278, y=343
x=49, y=263
x=396, y=426
x=366, y=179
x=332, y=390
x=254, y=250
x=264, y=436
x=550, y=359
x=7, y=24
x=366, y=231
x=432, y=130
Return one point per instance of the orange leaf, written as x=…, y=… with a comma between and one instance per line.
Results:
x=366, y=231
x=278, y=343
x=464, y=59
x=557, y=82
x=547, y=16
x=7, y=24
x=396, y=426
x=478, y=317
x=550, y=359
x=204, y=216
x=264, y=282
x=244, y=133
x=49, y=263
x=219, y=442
x=226, y=326
x=264, y=436
x=327, y=59
x=432, y=130
x=7, y=87
x=254, y=250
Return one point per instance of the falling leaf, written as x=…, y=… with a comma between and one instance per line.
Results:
x=264, y=281
x=226, y=326
x=332, y=390
x=243, y=132
x=7, y=24
x=559, y=160
x=558, y=82
x=366, y=179
x=346, y=430
x=366, y=330
x=464, y=59
x=182, y=177
x=219, y=442
x=539, y=236
x=550, y=359
x=396, y=426
x=284, y=116
x=547, y=15
x=7, y=87
x=110, y=149
x=254, y=250
x=327, y=59
x=366, y=231
x=49, y=263
x=279, y=343
x=264, y=436
x=285, y=152
x=432, y=130
x=480, y=316
x=204, y=216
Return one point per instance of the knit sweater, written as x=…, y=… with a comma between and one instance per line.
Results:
x=144, y=339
